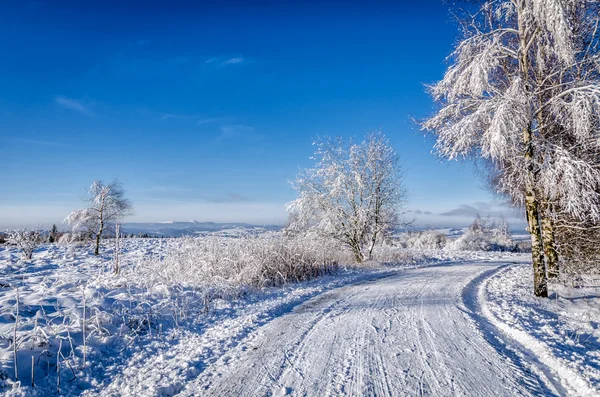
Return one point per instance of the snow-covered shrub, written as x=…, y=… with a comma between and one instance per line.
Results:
x=478, y=241
x=579, y=252
x=26, y=240
x=76, y=238
x=426, y=239
x=484, y=235
x=220, y=267
x=393, y=255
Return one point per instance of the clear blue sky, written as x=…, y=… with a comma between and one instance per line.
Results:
x=206, y=110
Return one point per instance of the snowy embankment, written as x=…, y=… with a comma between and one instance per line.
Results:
x=174, y=308
x=563, y=332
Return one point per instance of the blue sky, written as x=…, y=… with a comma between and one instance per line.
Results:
x=205, y=111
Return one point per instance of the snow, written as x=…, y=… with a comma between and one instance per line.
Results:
x=430, y=322
x=128, y=323
x=406, y=333
x=562, y=332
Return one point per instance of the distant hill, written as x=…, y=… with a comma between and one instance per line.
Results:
x=193, y=228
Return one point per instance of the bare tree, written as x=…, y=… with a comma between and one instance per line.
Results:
x=26, y=240
x=107, y=205
x=523, y=91
x=353, y=194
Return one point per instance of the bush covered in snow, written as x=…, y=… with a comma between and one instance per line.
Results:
x=578, y=250
x=26, y=240
x=225, y=266
x=426, y=239
x=485, y=235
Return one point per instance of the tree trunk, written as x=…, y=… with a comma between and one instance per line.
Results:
x=100, y=231
x=376, y=220
x=358, y=254
x=540, y=283
x=97, y=248
x=549, y=241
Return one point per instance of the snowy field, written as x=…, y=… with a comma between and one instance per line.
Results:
x=132, y=317
x=151, y=332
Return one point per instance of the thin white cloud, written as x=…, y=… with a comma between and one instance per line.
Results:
x=206, y=121
x=225, y=61
x=73, y=104
x=233, y=61
x=170, y=116
x=199, y=119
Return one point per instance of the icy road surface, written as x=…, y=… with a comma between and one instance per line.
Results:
x=417, y=332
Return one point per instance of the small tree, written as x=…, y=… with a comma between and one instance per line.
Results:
x=26, y=240
x=353, y=194
x=52, y=237
x=107, y=205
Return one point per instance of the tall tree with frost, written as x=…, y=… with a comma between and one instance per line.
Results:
x=353, y=194
x=523, y=91
x=107, y=205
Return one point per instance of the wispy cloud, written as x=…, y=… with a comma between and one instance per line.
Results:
x=73, y=104
x=174, y=116
x=236, y=130
x=206, y=121
x=225, y=61
x=484, y=209
x=233, y=61
x=419, y=212
x=463, y=214
x=199, y=120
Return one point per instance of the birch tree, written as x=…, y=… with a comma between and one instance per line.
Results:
x=522, y=91
x=353, y=193
x=106, y=206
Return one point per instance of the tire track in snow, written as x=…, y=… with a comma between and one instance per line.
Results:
x=409, y=334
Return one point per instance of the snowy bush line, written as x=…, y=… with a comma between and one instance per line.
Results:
x=426, y=239
x=477, y=238
x=492, y=240
x=225, y=267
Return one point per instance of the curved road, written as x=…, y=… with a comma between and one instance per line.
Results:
x=411, y=334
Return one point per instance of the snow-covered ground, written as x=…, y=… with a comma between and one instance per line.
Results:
x=128, y=322
x=439, y=323
x=563, y=332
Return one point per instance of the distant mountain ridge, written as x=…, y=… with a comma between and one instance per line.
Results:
x=192, y=228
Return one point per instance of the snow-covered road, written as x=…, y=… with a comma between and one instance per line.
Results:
x=417, y=332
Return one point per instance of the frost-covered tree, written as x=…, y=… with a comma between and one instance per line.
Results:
x=106, y=206
x=353, y=193
x=523, y=91
x=25, y=240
